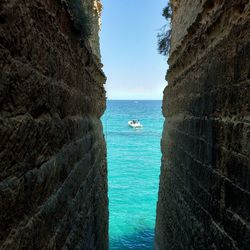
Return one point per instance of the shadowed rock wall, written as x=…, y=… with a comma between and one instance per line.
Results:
x=53, y=179
x=204, y=195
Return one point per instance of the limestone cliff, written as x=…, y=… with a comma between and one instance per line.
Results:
x=204, y=196
x=53, y=180
x=94, y=10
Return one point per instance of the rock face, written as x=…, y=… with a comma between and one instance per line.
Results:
x=204, y=196
x=94, y=10
x=53, y=180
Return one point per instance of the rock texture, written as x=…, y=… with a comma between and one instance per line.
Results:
x=53, y=179
x=94, y=10
x=204, y=196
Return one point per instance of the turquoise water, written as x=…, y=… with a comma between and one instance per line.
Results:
x=133, y=172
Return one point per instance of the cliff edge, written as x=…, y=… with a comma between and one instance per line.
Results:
x=53, y=180
x=204, y=195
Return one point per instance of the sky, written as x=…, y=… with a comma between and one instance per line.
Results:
x=134, y=69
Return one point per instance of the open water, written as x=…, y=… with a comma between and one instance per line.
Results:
x=134, y=160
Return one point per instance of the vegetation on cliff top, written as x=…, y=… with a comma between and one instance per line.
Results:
x=164, y=36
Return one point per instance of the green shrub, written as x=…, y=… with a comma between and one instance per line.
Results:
x=167, y=12
x=164, y=36
x=82, y=22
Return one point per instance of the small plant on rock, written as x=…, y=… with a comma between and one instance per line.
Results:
x=164, y=36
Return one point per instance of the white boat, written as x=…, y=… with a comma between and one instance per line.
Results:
x=135, y=124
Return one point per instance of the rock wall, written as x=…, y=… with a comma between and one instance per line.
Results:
x=204, y=195
x=53, y=179
x=94, y=10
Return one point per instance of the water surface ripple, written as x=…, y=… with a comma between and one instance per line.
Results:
x=133, y=172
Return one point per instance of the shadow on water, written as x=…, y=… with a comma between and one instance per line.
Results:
x=140, y=240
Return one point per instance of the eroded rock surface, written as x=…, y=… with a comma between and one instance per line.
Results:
x=53, y=179
x=204, y=196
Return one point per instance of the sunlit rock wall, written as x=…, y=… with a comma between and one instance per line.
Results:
x=94, y=10
x=204, y=195
x=53, y=179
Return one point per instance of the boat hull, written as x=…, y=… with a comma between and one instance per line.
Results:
x=134, y=125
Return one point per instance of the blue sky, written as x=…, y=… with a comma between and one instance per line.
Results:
x=132, y=64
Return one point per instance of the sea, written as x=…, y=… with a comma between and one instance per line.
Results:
x=134, y=159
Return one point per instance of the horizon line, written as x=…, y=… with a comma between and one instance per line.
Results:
x=134, y=99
